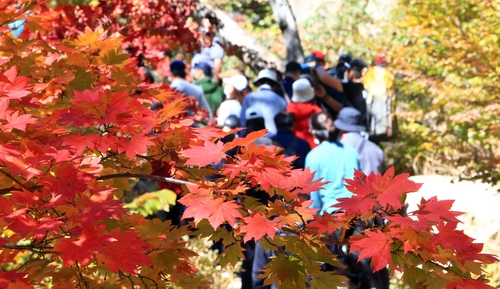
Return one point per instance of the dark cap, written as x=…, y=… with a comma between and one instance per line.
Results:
x=345, y=57
x=357, y=64
x=205, y=67
x=177, y=65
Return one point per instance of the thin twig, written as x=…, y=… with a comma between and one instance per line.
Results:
x=15, y=181
x=146, y=176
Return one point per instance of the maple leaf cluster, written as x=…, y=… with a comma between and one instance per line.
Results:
x=76, y=124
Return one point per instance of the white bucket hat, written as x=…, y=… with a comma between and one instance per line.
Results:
x=266, y=74
x=238, y=81
x=302, y=90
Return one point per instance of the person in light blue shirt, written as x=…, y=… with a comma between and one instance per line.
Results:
x=265, y=100
x=331, y=161
x=179, y=82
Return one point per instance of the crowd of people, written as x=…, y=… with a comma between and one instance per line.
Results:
x=315, y=112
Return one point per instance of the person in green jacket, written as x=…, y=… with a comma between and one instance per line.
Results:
x=214, y=93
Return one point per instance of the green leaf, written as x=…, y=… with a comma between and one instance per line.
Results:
x=327, y=280
x=231, y=255
x=113, y=57
x=83, y=80
x=285, y=270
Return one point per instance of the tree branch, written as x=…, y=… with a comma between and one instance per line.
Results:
x=15, y=181
x=146, y=176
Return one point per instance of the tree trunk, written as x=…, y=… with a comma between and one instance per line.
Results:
x=240, y=42
x=286, y=20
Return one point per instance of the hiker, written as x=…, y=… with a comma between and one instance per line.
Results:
x=292, y=73
x=212, y=53
x=302, y=108
x=212, y=90
x=381, y=100
x=178, y=81
x=285, y=138
x=332, y=161
x=234, y=91
x=338, y=70
x=265, y=99
x=350, y=130
x=351, y=86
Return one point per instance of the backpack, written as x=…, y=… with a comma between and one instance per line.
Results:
x=380, y=120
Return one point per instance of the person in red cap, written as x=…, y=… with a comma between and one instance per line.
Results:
x=320, y=57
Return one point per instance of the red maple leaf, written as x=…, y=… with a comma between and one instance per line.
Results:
x=202, y=156
x=83, y=248
x=257, y=226
x=267, y=177
x=87, y=96
x=435, y=211
x=374, y=245
x=91, y=209
x=137, y=144
x=4, y=108
x=18, y=121
x=356, y=205
x=215, y=210
x=14, y=280
x=27, y=225
x=301, y=182
x=450, y=237
x=389, y=190
x=361, y=184
x=13, y=85
x=328, y=223
x=125, y=252
x=468, y=283
x=6, y=206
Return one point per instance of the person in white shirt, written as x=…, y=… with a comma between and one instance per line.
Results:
x=234, y=91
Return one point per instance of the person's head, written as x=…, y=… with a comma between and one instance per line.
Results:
x=349, y=120
x=310, y=61
x=293, y=70
x=207, y=39
x=210, y=22
x=201, y=69
x=235, y=86
x=381, y=59
x=267, y=77
x=356, y=69
x=303, y=91
x=231, y=122
x=322, y=127
x=319, y=56
x=178, y=69
x=284, y=119
x=254, y=120
x=344, y=58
